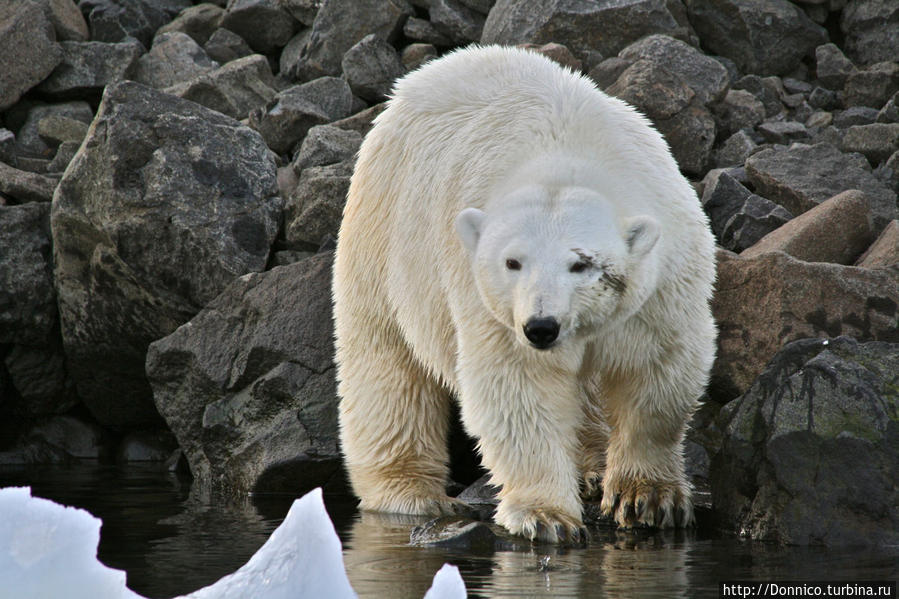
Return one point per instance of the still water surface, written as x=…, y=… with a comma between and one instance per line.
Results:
x=171, y=542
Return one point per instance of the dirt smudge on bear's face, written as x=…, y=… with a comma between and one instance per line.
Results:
x=585, y=257
x=616, y=282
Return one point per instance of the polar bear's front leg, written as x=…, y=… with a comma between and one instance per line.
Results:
x=393, y=424
x=644, y=481
x=526, y=421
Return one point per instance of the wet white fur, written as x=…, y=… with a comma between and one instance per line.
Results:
x=549, y=164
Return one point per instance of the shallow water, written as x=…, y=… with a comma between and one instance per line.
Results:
x=171, y=543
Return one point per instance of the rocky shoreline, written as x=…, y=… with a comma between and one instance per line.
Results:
x=172, y=177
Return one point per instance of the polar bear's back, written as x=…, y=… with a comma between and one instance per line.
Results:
x=483, y=112
x=508, y=95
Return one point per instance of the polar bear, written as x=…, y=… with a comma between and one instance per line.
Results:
x=518, y=239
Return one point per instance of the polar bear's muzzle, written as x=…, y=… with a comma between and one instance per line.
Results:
x=541, y=331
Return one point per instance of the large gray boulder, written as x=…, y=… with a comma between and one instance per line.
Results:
x=27, y=297
x=116, y=20
x=326, y=144
x=370, y=67
x=456, y=21
x=39, y=377
x=28, y=338
x=289, y=115
x=339, y=24
x=199, y=22
x=25, y=186
x=266, y=25
x=765, y=37
x=811, y=451
x=832, y=67
x=792, y=299
x=68, y=22
x=234, y=89
x=164, y=205
x=88, y=67
x=248, y=385
x=28, y=138
x=313, y=211
x=705, y=76
x=800, y=177
x=672, y=83
x=872, y=86
x=175, y=57
x=872, y=30
x=605, y=26
x=28, y=47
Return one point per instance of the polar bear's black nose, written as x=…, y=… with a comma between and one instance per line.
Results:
x=541, y=332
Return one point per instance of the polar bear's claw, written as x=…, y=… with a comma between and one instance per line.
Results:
x=648, y=503
x=545, y=525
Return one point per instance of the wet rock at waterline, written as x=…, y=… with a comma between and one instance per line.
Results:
x=811, y=451
x=248, y=388
x=163, y=206
x=462, y=535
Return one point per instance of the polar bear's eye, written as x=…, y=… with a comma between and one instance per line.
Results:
x=578, y=267
x=513, y=264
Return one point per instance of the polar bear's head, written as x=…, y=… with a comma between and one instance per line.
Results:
x=555, y=264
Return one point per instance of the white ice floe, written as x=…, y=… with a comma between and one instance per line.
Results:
x=48, y=550
x=448, y=584
x=302, y=558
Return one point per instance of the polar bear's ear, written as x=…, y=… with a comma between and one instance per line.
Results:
x=468, y=227
x=641, y=235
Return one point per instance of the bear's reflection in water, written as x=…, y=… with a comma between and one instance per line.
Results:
x=381, y=563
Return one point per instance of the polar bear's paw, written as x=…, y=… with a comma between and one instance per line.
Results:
x=545, y=525
x=640, y=502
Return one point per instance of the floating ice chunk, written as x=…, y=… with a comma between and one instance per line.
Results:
x=448, y=584
x=302, y=559
x=49, y=550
